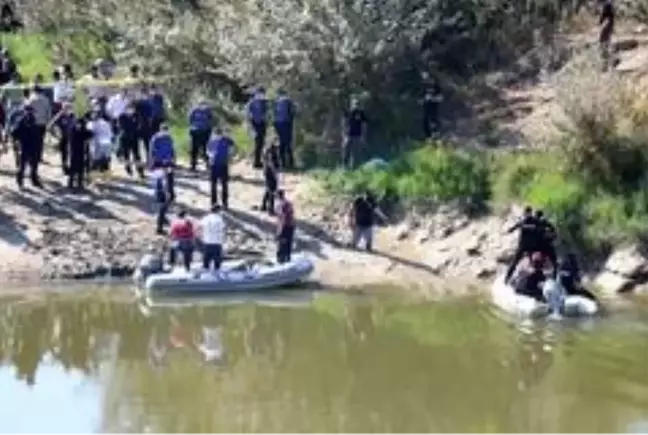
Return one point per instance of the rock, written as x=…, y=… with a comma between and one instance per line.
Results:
x=613, y=283
x=403, y=231
x=438, y=261
x=628, y=262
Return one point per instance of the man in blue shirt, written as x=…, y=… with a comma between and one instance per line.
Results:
x=158, y=106
x=162, y=156
x=219, y=150
x=284, y=115
x=201, y=120
x=144, y=111
x=355, y=123
x=257, y=114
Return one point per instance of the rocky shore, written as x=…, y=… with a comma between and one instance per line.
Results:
x=52, y=235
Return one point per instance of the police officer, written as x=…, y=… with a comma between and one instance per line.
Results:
x=201, y=121
x=284, y=114
x=546, y=238
x=78, y=152
x=28, y=134
x=527, y=241
x=129, y=140
x=219, y=151
x=257, y=113
x=64, y=121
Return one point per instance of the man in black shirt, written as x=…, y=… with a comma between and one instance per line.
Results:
x=28, y=136
x=431, y=103
x=606, y=21
x=362, y=220
x=546, y=238
x=355, y=122
x=528, y=240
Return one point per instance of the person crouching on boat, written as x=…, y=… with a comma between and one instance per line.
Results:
x=150, y=264
x=530, y=280
x=527, y=241
x=569, y=277
x=182, y=238
x=212, y=234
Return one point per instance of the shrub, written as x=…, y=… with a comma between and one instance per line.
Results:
x=423, y=177
x=603, y=137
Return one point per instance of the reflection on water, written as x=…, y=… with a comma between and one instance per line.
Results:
x=339, y=364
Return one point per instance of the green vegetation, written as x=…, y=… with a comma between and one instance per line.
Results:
x=591, y=177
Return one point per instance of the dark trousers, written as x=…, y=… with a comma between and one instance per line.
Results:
x=219, y=174
x=42, y=130
x=349, y=150
x=199, y=139
x=131, y=152
x=186, y=249
x=156, y=123
x=76, y=172
x=284, y=244
x=161, y=219
x=212, y=253
x=520, y=253
x=260, y=129
x=145, y=135
x=63, y=150
x=285, y=134
x=28, y=156
x=268, y=200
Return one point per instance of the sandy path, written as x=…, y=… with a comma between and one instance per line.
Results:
x=125, y=203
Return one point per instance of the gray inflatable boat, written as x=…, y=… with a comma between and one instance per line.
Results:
x=232, y=277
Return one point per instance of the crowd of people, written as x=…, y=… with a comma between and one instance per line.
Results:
x=129, y=124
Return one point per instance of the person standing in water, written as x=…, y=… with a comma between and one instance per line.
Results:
x=257, y=114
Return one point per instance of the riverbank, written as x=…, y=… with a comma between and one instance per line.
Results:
x=53, y=235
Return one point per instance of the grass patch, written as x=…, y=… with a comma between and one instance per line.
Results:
x=32, y=53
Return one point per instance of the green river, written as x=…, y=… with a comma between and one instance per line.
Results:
x=314, y=362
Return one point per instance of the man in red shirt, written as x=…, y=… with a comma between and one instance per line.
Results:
x=182, y=237
x=285, y=227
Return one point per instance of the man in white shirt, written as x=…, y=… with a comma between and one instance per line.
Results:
x=117, y=104
x=212, y=232
x=63, y=89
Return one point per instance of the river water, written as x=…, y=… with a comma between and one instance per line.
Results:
x=305, y=362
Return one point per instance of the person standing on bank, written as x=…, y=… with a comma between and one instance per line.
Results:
x=27, y=134
x=362, y=218
x=162, y=201
x=212, y=232
x=355, y=126
x=201, y=121
x=129, y=141
x=431, y=103
x=64, y=121
x=285, y=227
x=78, y=153
x=284, y=115
x=158, y=105
x=43, y=113
x=163, y=156
x=219, y=151
x=257, y=114
x=606, y=21
x=144, y=111
x=270, y=177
